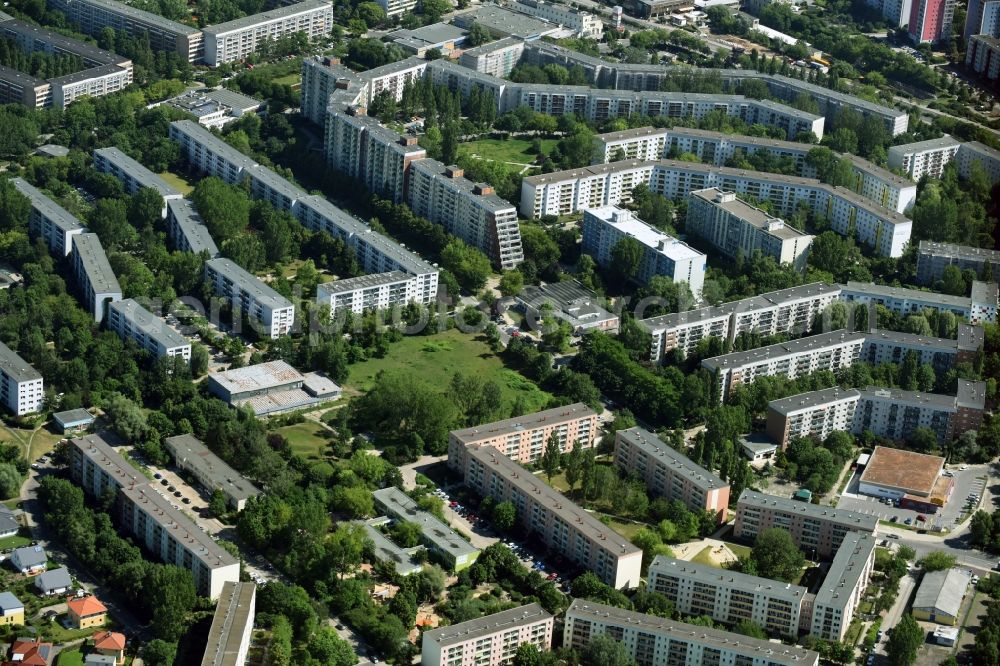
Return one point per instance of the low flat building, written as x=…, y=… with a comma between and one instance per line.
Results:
x=418, y=41
x=505, y=23
x=73, y=420
x=729, y=597
x=940, y=595
x=192, y=456
x=548, y=516
x=669, y=473
x=133, y=322
x=817, y=530
x=247, y=295
x=386, y=550
x=95, y=280
x=912, y=478
x=523, y=438
x=187, y=230
x=491, y=639
x=232, y=626
x=758, y=451
x=22, y=388
x=569, y=301
x=656, y=641
x=441, y=540
x=133, y=175
x=933, y=258
x=267, y=388
x=48, y=220
x=214, y=108
x=839, y=596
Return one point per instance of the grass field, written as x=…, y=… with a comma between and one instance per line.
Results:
x=306, y=439
x=288, y=79
x=510, y=150
x=16, y=541
x=436, y=358
x=33, y=443
x=627, y=530
x=177, y=182
x=71, y=657
x=704, y=556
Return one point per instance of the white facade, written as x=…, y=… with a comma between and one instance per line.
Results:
x=988, y=158
x=47, y=219
x=495, y=58
x=392, y=78
x=982, y=307
x=491, y=640
x=95, y=280
x=663, y=255
x=644, y=143
x=22, y=389
x=131, y=321
x=583, y=24
x=237, y=39
x=229, y=637
x=840, y=594
x=398, y=7
x=368, y=292
x=133, y=175
x=246, y=293
x=924, y=157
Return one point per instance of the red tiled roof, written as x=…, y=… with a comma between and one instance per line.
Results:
x=109, y=640
x=86, y=606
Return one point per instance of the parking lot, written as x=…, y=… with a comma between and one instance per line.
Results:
x=970, y=484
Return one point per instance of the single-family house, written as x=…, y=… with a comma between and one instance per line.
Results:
x=86, y=612
x=29, y=560
x=9, y=524
x=52, y=582
x=30, y=652
x=11, y=610
x=110, y=644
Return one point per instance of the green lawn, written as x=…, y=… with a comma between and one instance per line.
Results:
x=435, y=359
x=16, y=541
x=306, y=439
x=71, y=657
x=739, y=550
x=177, y=182
x=627, y=530
x=705, y=557
x=288, y=79
x=500, y=150
x=853, y=633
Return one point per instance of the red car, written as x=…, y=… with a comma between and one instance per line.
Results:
x=921, y=517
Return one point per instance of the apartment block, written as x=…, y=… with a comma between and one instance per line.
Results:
x=464, y=80
x=924, y=158
x=491, y=640
x=211, y=472
x=397, y=7
x=642, y=143
x=169, y=534
x=792, y=311
x=818, y=530
x=982, y=55
x=99, y=469
x=831, y=351
x=729, y=597
x=839, y=596
x=930, y=20
x=523, y=438
x=22, y=389
x=933, y=258
x=669, y=473
x=92, y=16
x=229, y=636
x=443, y=543
x=883, y=346
x=251, y=297
x=322, y=77
x=655, y=641
x=392, y=78
x=470, y=211
x=237, y=39
x=367, y=292
x=982, y=18
x=980, y=307
x=737, y=229
x=605, y=227
x=895, y=414
x=896, y=12
x=987, y=158
x=96, y=282
x=133, y=322
x=813, y=414
x=133, y=175
x=187, y=230
x=494, y=58
x=53, y=223
x=583, y=24
x=548, y=516
x=19, y=88
x=849, y=214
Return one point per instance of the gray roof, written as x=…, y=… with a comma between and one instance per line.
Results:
x=18, y=78
x=436, y=170
x=189, y=451
x=846, y=570
x=930, y=144
x=229, y=624
x=943, y=591
x=852, y=519
x=259, y=377
x=387, y=551
x=490, y=47
x=971, y=394
x=275, y=14
x=73, y=416
x=392, y=68
x=248, y=282
x=148, y=323
x=912, y=398
x=87, y=74
x=192, y=226
x=428, y=35
x=783, y=349
x=734, y=580
x=8, y=522
x=90, y=54
x=989, y=40
x=517, y=424
x=871, y=289
x=30, y=556
x=656, y=448
x=794, y=403
x=48, y=208
x=101, y=453
x=954, y=251
x=95, y=264
x=144, y=176
x=985, y=292
x=505, y=22
x=326, y=289
x=233, y=99
x=204, y=137
x=149, y=18
x=94, y=659
x=755, y=648
x=52, y=150
x=912, y=340
x=434, y=531
x=981, y=148
x=54, y=579
x=570, y=300
x=9, y=602
x=489, y=625
x=16, y=367
x=635, y=133
x=751, y=215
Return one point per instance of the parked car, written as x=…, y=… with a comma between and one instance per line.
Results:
x=922, y=518
x=909, y=521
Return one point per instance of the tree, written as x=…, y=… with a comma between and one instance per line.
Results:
x=776, y=555
x=329, y=649
x=573, y=464
x=158, y=652
x=511, y=283
x=605, y=651
x=478, y=35
x=10, y=481
x=199, y=360
x=527, y=654
x=904, y=641
x=469, y=266
x=552, y=456
x=750, y=628
x=952, y=281
x=505, y=515
x=371, y=13
x=434, y=9
x=626, y=257
x=937, y=561
x=405, y=533
x=172, y=596
x=225, y=208
x=217, y=505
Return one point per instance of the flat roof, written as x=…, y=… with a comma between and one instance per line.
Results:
x=624, y=221
x=73, y=417
x=631, y=134
x=192, y=452
x=971, y=394
x=434, y=530
x=913, y=398
x=90, y=54
x=985, y=292
x=488, y=625
x=518, y=424
x=326, y=289
x=811, y=399
x=95, y=264
x=982, y=149
x=429, y=35
x=653, y=446
x=943, y=591
x=233, y=99
x=248, y=282
x=413, y=62
x=276, y=14
x=49, y=209
x=572, y=302
x=204, y=137
x=910, y=472
x=843, y=517
x=945, y=141
x=258, y=377
x=506, y=22
x=438, y=172
x=755, y=217
x=144, y=176
x=914, y=340
x=955, y=251
x=149, y=323
x=101, y=453
x=490, y=47
x=16, y=367
x=766, y=651
x=194, y=540
x=705, y=573
x=233, y=612
x=848, y=566
x=149, y=18
x=901, y=293
x=783, y=349
x=192, y=226
x=387, y=551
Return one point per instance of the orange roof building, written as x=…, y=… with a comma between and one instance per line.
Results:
x=29, y=652
x=87, y=612
x=110, y=643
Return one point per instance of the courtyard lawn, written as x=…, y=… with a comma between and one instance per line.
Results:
x=435, y=359
x=500, y=150
x=288, y=79
x=308, y=439
x=72, y=657
x=739, y=550
x=627, y=530
x=704, y=556
x=177, y=182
